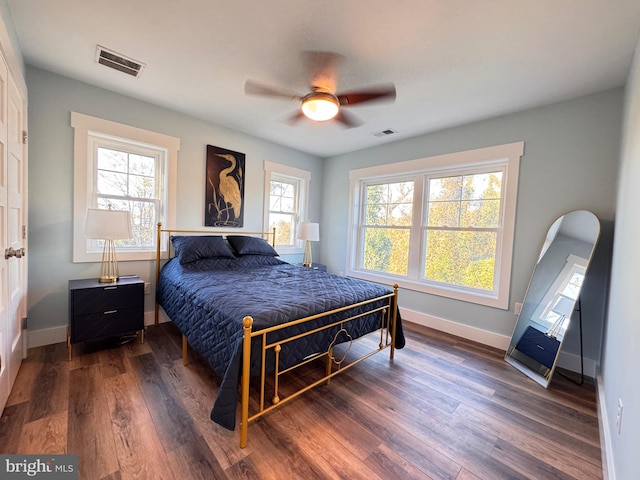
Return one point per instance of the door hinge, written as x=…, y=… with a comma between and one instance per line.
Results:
x=24, y=323
x=25, y=137
x=24, y=231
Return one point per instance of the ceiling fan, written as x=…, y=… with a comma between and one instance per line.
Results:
x=322, y=103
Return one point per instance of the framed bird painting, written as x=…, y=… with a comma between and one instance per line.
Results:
x=224, y=188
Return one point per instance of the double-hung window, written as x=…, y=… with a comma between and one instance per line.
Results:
x=286, y=196
x=442, y=225
x=123, y=168
x=129, y=177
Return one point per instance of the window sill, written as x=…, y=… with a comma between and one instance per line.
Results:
x=453, y=293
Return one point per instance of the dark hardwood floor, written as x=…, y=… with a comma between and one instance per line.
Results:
x=445, y=408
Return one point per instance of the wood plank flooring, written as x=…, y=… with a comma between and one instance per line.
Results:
x=445, y=408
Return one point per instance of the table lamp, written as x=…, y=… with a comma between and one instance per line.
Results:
x=309, y=232
x=108, y=225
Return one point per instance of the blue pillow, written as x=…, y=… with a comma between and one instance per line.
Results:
x=190, y=249
x=245, y=245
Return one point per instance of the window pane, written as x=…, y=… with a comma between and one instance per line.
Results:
x=142, y=187
x=282, y=197
x=283, y=209
x=463, y=258
x=114, y=160
x=142, y=165
x=386, y=250
x=112, y=183
x=389, y=204
x=143, y=221
x=572, y=289
x=465, y=201
x=284, y=228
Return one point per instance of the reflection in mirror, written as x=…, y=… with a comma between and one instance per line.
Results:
x=551, y=297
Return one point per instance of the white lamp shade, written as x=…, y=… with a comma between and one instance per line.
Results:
x=309, y=231
x=108, y=224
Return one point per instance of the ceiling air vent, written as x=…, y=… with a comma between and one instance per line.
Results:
x=119, y=62
x=384, y=133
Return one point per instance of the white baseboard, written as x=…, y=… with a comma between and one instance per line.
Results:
x=567, y=361
x=49, y=336
x=46, y=336
x=458, y=329
x=605, y=432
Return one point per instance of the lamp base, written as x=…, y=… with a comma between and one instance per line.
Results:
x=107, y=279
x=109, y=272
x=306, y=260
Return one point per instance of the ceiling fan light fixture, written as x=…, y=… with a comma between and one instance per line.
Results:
x=320, y=106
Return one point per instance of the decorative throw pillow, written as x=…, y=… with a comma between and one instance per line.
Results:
x=245, y=245
x=190, y=249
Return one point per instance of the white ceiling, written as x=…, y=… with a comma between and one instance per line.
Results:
x=452, y=61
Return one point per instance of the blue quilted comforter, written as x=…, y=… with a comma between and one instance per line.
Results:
x=208, y=300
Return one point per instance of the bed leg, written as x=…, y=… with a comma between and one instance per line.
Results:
x=329, y=365
x=394, y=318
x=247, y=322
x=185, y=351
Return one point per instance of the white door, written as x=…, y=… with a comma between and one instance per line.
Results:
x=13, y=266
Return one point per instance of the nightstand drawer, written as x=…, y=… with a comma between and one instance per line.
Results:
x=107, y=323
x=102, y=299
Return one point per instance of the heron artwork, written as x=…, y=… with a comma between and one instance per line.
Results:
x=225, y=188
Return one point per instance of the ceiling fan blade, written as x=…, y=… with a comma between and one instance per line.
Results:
x=347, y=119
x=322, y=69
x=380, y=92
x=254, y=88
x=292, y=119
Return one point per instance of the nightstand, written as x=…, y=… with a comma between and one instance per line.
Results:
x=315, y=266
x=99, y=310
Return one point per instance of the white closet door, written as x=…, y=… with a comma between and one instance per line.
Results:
x=13, y=264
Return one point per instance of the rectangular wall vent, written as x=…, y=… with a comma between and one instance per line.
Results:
x=119, y=62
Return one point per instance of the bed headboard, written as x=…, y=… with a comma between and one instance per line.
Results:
x=269, y=236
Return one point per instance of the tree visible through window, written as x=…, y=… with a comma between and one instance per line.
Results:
x=128, y=181
x=285, y=204
x=283, y=209
x=388, y=217
x=462, y=226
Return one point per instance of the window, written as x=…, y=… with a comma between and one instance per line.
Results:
x=442, y=225
x=128, y=169
x=555, y=309
x=286, y=194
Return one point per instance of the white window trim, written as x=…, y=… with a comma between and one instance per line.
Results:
x=509, y=154
x=83, y=126
x=305, y=179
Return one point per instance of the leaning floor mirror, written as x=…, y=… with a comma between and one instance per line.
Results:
x=552, y=294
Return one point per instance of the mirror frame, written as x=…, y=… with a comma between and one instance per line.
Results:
x=524, y=334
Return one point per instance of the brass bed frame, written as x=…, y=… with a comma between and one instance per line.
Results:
x=387, y=334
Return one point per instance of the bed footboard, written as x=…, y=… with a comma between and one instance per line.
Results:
x=334, y=366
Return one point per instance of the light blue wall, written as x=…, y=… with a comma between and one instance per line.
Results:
x=621, y=354
x=51, y=99
x=570, y=163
